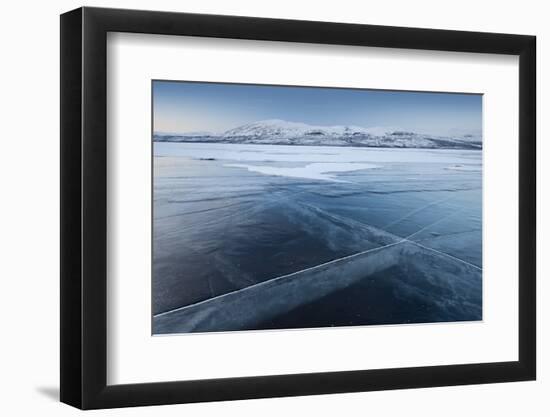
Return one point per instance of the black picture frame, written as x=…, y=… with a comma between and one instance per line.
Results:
x=84, y=207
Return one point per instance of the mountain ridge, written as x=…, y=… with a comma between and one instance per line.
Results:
x=281, y=132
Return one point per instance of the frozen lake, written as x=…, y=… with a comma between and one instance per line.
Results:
x=228, y=216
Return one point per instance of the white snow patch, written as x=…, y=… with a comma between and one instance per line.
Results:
x=315, y=171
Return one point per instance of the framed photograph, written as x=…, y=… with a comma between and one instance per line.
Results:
x=258, y=208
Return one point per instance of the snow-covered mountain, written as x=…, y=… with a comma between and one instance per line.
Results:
x=290, y=130
x=280, y=132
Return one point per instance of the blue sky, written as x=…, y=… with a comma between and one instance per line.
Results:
x=216, y=107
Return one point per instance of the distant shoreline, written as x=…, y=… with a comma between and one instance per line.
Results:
x=473, y=146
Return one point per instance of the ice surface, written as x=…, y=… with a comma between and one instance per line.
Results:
x=220, y=229
x=465, y=168
x=421, y=286
x=305, y=154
